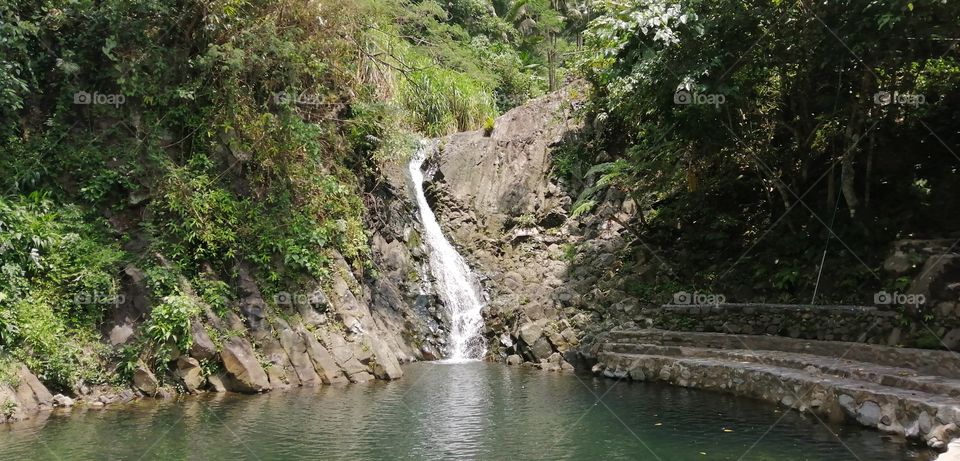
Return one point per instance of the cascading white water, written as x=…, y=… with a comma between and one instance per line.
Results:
x=455, y=282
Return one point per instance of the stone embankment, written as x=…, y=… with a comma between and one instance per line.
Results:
x=910, y=392
x=887, y=325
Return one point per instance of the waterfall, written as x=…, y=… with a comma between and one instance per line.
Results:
x=456, y=284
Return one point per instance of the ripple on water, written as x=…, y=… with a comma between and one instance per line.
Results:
x=444, y=410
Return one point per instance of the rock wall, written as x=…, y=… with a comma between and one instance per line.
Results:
x=498, y=202
x=829, y=323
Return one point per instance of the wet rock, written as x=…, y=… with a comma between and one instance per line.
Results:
x=848, y=404
x=62, y=401
x=241, y=362
x=323, y=361
x=361, y=377
x=547, y=366
x=941, y=435
x=615, y=373
x=514, y=360
x=217, y=383
x=386, y=365
x=277, y=377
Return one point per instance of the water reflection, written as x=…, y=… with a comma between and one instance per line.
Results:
x=470, y=410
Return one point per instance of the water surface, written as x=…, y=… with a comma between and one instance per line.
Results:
x=470, y=410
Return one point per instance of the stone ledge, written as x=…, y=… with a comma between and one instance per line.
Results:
x=865, y=324
x=751, y=308
x=913, y=414
x=939, y=363
x=902, y=378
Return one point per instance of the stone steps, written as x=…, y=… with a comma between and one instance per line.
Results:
x=911, y=392
x=923, y=361
x=903, y=378
x=911, y=413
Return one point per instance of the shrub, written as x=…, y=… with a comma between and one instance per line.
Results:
x=169, y=325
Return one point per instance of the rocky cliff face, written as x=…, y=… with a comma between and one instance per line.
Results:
x=553, y=282
x=499, y=203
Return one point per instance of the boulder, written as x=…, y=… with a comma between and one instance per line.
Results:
x=530, y=332
x=323, y=361
x=241, y=362
x=202, y=348
x=62, y=401
x=940, y=436
x=546, y=365
x=343, y=354
x=145, y=381
x=280, y=371
x=868, y=413
x=514, y=360
x=31, y=394
x=386, y=365
x=293, y=343
x=217, y=383
x=361, y=377
x=189, y=372
x=541, y=349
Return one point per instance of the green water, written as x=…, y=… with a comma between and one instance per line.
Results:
x=451, y=411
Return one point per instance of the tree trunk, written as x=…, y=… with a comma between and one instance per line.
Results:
x=552, y=62
x=866, y=180
x=832, y=188
x=848, y=174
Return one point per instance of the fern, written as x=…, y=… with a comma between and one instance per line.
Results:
x=583, y=208
x=600, y=168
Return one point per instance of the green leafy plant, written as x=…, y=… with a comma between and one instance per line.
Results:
x=488, y=126
x=169, y=325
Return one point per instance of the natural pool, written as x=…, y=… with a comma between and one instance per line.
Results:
x=471, y=410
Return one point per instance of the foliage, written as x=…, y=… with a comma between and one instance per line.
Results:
x=742, y=129
x=488, y=126
x=57, y=274
x=240, y=132
x=169, y=325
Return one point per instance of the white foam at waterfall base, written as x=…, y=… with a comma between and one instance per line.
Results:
x=455, y=282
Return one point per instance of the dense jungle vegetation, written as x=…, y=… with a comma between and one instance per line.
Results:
x=194, y=137
x=188, y=137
